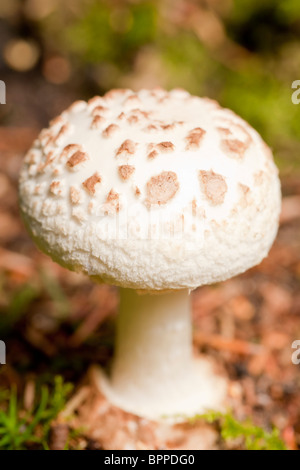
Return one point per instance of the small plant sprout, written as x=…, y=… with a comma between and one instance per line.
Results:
x=158, y=193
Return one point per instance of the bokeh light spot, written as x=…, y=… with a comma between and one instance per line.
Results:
x=21, y=55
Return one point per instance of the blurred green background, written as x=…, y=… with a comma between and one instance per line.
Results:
x=244, y=53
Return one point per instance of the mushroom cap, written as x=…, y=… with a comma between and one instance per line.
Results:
x=152, y=190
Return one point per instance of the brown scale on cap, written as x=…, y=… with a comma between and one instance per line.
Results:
x=137, y=191
x=75, y=195
x=234, y=147
x=151, y=128
x=168, y=127
x=214, y=186
x=126, y=171
x=77, y=158
x=197, y=211
x=259, y=178
x=49, y=159
x=132, y=99
x=194, y=207
x=31, y=158
x=161, y=147
x=38, y=189
x=165, y=147
x=194, y=138
x=57, y=120
x=71, y=148
x=110, y=130
x=162, y=99
x=224, y=131
x=159, y=94
x=55, y=188
x=62, y=132
x=126, y=148
x=244, y=188
x=121, y=116
x=133, y=119
x=161, y=188
x=136, y=115
x=90, y=183
x=97, y=121
x=245, y=195
x=46, y=137
x=91, y=207
x=142, y=113
x=152, y=154
x=112, y=203
x=99, y=110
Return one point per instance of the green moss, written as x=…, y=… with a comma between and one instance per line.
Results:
x=253, y=437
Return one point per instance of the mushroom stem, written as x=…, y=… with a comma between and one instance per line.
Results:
x=153, y=343
x=153, y=372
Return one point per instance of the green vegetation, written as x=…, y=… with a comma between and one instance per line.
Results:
x=20, y=429
x=253, y=437
x=245, y=55
x=113, y=35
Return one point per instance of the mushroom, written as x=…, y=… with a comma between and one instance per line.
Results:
x=184, y=195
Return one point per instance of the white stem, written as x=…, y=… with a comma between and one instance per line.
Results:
x=153, y=372
x=153, y=344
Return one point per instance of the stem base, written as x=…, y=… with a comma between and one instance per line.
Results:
x=201, y=390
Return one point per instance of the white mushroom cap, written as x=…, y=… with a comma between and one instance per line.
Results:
x=152, y=190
